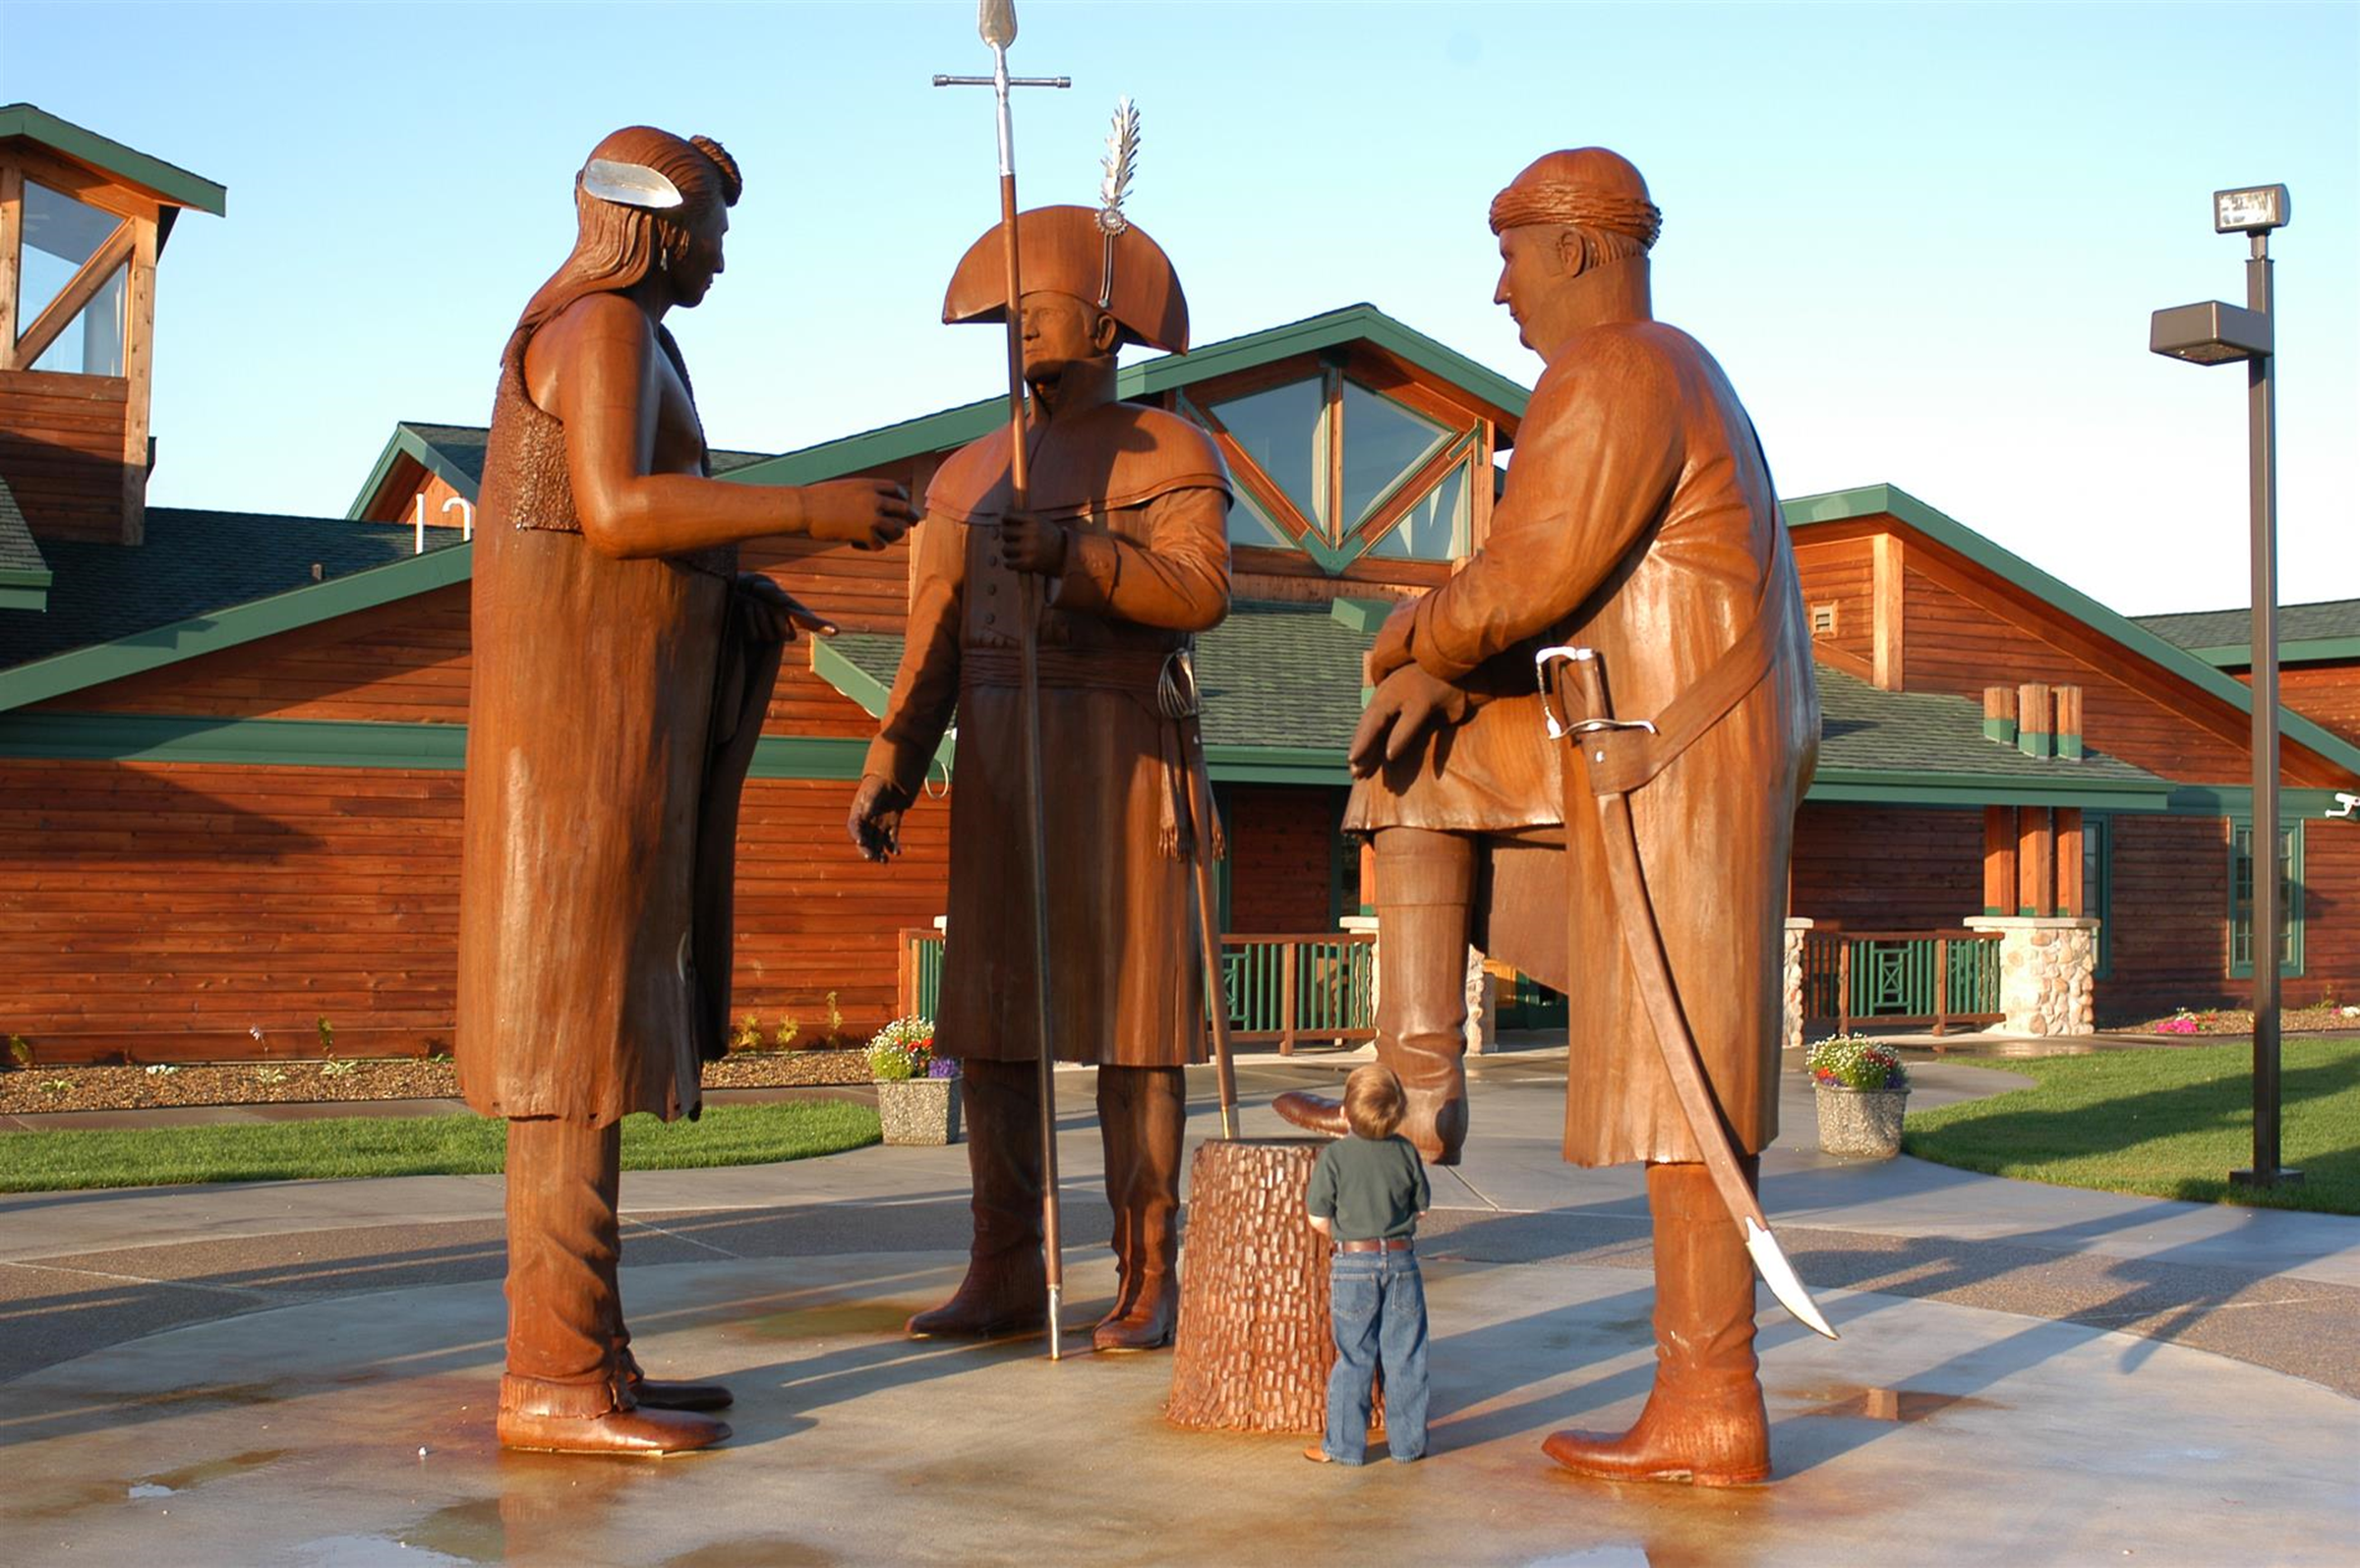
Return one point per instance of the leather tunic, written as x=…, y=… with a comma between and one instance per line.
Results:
x=612, y=714
x=1145, y=500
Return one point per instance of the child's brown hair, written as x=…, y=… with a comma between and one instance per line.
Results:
x=1374, y=1103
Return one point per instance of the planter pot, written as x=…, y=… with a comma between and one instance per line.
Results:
x=1860, y=1123
x=920, y=1111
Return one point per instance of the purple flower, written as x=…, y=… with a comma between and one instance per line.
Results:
x=942, y=1066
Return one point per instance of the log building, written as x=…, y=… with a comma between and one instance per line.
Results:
x=230, y=745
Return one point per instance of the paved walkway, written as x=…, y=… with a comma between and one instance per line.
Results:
x=249, y=1374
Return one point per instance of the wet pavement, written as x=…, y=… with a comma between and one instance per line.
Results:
x=247, y=1374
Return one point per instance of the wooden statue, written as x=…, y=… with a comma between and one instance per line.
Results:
x=622, y=667
x=1639, y=523
x=1127, y=524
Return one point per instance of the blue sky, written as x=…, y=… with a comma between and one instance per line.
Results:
x=1923, y=240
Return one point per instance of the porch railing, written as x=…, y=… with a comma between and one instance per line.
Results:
x=1933, y=977
x=1282, y=989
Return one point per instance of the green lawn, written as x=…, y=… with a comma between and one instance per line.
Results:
x=400, y=1145
x=2162, y=1122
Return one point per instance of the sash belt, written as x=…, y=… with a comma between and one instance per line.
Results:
x=1634, y=757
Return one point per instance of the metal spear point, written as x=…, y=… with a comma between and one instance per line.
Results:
x=995, y=22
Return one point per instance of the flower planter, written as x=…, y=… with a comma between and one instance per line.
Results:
x=1860, y=1123
x=919, y=1111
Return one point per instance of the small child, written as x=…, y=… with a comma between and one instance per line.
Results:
x=1365, y=1194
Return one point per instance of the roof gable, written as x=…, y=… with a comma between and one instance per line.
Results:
x=167, y=183
x=2134, y=639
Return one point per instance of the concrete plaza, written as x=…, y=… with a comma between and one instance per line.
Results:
x=304, y=1373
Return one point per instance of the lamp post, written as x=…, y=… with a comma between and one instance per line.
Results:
x=2216, y=333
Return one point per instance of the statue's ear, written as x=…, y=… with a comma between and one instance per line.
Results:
x=1105, y=334
x=1573, y=251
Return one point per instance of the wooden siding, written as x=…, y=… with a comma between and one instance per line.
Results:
x=1841, y=575
x=1282, y=857
x=2330, y=915
x=2327, y=694
x=1960, y=642
x=61, y=448
x=2169, y=897
x=1887, y=868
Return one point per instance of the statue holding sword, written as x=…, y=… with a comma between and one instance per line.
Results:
x=1639, y=564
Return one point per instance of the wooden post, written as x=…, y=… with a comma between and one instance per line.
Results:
x=1999, y=715
x=12, y=239
x=1885, y=616
x=2036, y=732
x=1941, y=985
x=1286, y=1000
x=1843, y=985
x=2069, y=722
x=1999, y=860
x=139, y=368
x=2035, y=861
x=2070, y=892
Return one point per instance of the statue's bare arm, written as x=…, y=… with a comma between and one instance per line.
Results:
x=596, y=369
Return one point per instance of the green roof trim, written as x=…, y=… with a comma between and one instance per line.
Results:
x=1363, y=616
x=956, y=427
x=1873, y=499
x=1902, y=788
x=60, y=673
x=2295, y=650
x=169, y=181
x=328, y=744
x=406, y=442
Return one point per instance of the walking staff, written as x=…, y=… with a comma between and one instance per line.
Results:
x=995, y=22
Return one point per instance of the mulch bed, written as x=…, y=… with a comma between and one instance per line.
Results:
x=40, y=1089
x=2318, y=1018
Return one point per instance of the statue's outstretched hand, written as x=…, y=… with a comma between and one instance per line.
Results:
x=767, y=612
x=865, y=513
x=1407, y=705
x=876, y=818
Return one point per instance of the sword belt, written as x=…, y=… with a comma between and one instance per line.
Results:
x=1621, y=760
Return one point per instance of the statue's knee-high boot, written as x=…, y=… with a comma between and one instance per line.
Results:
x=1425, y=889
x=1005, y=1291
x=1143, y=1114
x=1704, y=1419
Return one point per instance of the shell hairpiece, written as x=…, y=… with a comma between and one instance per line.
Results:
x=629, y=184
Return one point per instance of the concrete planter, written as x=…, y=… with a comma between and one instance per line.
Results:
x=1860, y=1123
x=919, y=1111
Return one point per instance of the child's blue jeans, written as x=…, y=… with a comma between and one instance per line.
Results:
x=1378, y=1301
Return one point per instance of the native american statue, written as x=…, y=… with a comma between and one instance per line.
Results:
x=621, y=668
x=1126, y=524
x=1638, y=525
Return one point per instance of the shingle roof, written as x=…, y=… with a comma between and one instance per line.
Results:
x=18, y=551
x=1289, y=676
x=463, y=446
x=1865, y=729
x=2233, y=629
x=193, y=563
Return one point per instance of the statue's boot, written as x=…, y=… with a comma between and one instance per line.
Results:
x=659, y=1393
x=566, y=1390
x=1425, y=886
x=1143, y=1113
x=1704, y=1421
x=558, y=1418
x=1005, y=1291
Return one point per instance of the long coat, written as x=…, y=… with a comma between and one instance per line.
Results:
x=1144, y=499
x=1638, y=519
x=612, y=714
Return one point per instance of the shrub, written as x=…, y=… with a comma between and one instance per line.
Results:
x=1850, y=1062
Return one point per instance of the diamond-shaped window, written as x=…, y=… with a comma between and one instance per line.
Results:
x=1384, y=444
x=1283, y=430
x=1434, y=528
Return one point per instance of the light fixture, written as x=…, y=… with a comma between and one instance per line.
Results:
x=2251, y=210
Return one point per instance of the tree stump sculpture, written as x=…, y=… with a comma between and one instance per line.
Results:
x=1254, y=1344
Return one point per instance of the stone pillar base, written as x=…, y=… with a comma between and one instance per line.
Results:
x=1793, y=989
x=2047, y=964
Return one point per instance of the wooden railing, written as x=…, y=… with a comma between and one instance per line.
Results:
x=1282, y=989
x=1935, y=978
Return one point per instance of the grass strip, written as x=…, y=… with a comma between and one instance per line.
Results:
x=2161, y=1123
x=58, y=1161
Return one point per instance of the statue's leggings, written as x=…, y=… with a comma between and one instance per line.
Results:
x=564, y=1313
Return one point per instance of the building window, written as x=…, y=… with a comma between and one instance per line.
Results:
x=2097, y=889
x=1823, y=621
x=2241, y=899
x=61, y=236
